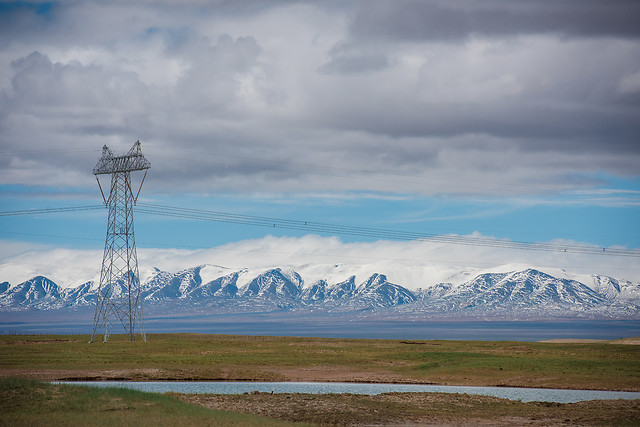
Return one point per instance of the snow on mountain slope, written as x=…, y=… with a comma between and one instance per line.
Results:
x=211, y=272
x=221, y=287
x=37, y=293
x=612, y=288
x=378, y=292
x=274, y=284
x=518, y=292
x=503, y=292
x=82, y=295
x=315, y=293
x=342, y=290
x=165, y=286
x=152, y=288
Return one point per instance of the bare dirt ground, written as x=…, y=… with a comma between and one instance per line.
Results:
x=88, y=375
x=420, y=409
x=335, y=374
x=628, y=341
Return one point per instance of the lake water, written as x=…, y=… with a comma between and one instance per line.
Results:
x=273, y=324
x=512, y=393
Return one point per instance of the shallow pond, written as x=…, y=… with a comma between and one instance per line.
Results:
x=220, y=387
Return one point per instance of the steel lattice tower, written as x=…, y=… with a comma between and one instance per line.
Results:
x=119, y=291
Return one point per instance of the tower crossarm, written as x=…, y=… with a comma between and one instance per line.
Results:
x=134, y=160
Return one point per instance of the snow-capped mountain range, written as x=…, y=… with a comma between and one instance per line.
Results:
x=504, y=293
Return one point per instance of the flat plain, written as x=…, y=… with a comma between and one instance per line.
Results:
x=602, y=365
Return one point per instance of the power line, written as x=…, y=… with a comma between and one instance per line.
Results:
x=338, y=229
x=309, y=226
x=49, y=150
x=55, y=236
x=50, y=210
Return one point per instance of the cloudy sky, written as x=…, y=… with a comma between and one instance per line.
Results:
x=516, y=120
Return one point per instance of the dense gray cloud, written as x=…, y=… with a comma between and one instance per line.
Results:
x=348, y=59
x=419, y=20
x=410, y=96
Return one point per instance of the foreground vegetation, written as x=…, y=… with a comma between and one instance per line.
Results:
x=604, y=366
x=27, y=402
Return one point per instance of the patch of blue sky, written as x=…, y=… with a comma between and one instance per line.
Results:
x=604, y=216
x=43, y=9
x=508, y=218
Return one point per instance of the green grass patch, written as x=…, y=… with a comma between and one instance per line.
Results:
x=27, y=402
x=536, y=364
x=215, y=357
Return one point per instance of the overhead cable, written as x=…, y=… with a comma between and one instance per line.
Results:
x=50, y=210
x=344, y=230
x=386, y=234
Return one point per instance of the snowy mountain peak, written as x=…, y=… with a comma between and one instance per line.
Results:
x=273, y=283
x=514, y=294
x=315, y=292
x=36, y=292
x=344, y=289
x=372, y=282
x=378, y=292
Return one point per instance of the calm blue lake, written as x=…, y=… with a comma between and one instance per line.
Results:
x=512, y=393
x=286, y=324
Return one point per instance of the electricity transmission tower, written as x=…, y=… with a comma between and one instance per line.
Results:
x=119, y=290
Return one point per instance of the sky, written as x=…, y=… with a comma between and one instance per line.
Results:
x=500, y=120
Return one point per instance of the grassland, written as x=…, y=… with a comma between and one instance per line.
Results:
x=31, y=403
x=28, y=402
x=604, y=366
x=600, y=365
